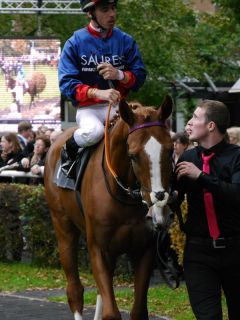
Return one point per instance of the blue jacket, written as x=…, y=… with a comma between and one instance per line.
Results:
x=84, y=51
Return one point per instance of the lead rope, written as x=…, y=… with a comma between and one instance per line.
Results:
x=106, y=142
x=107, y=152
x=132, y=193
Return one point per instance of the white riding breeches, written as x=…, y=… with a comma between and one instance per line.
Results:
x=90, y=121
x=19, y=93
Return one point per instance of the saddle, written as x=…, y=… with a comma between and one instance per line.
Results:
x=74, y=182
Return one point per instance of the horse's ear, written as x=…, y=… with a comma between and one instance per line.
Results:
x=126, y=112
x=166, y=107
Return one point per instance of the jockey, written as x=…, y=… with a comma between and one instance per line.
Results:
x=99, y=64
x=19, y=88
x=21, y=76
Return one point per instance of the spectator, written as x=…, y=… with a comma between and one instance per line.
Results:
x=48, y=132
x=24, y=136
x=11, y=152
x=180, y=144
x=36, y=161
x=31, y=140
x=41, y=130
x=234, y=135
x=54, y=135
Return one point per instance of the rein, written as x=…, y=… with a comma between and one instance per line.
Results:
x=135, y=194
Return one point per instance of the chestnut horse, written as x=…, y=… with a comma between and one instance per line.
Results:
x=112, y=219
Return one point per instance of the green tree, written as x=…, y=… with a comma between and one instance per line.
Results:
x=162, y=30
x=217, y=44
x=232, y=6
x=176, y=42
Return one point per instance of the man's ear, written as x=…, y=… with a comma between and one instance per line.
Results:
x=211, y=126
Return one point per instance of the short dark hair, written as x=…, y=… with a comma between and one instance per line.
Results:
x=24, y=126
x=45, y=140
x=217, y=112
x=182, y=137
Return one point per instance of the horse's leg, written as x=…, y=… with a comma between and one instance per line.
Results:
x=143, y=267
x=103, y=269
x=68, y=236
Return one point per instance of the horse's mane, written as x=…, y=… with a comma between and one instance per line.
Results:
x=144, y=113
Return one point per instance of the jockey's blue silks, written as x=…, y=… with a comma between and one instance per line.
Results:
x=118, y=49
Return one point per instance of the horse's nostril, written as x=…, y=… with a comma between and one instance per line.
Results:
x=160, y=195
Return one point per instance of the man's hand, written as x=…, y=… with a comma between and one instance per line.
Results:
x=36, y=169
x=187, y=169
x=108, y=72
x=111, y=95
x=25, y=163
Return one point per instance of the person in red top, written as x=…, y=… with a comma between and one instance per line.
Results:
x=99, y=64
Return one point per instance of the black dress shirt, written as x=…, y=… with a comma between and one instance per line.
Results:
x=224, y=184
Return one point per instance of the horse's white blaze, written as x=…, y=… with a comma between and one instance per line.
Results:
x=99, y=308
x=77, y=316
x=157, y=214
x=153, y=149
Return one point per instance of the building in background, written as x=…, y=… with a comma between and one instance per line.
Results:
x=202, y=5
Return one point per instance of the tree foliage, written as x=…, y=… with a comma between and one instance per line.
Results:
x=232, y=6
x=176, y=42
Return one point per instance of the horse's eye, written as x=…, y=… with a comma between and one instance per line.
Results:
x=133, y=157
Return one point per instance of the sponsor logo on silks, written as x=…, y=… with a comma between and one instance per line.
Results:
x=90, y=63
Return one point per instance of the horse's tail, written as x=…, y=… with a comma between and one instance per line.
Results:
x=40, y=81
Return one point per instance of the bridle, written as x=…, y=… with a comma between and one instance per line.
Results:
x=145, y=125
x=135, y=194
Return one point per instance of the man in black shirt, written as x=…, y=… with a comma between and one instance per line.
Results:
x=211, y=263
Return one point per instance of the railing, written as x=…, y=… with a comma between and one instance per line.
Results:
x=15, y=175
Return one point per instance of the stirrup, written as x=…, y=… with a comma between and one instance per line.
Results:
x=68, y=170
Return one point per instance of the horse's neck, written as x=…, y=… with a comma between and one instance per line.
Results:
x=118, y=153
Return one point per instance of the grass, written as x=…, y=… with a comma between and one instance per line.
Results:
x=161, y=300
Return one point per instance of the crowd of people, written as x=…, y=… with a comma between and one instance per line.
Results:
x=26, y=149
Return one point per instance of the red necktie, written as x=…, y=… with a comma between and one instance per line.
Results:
x=208, y=202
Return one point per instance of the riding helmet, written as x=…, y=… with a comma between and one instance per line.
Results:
x=87, y=4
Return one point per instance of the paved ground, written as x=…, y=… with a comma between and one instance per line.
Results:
x=34, y=305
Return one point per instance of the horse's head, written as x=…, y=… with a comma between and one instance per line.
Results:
x=149, y=144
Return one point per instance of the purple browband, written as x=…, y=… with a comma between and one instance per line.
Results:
x=145, y=125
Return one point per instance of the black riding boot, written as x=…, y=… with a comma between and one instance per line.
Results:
x=68, y=157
